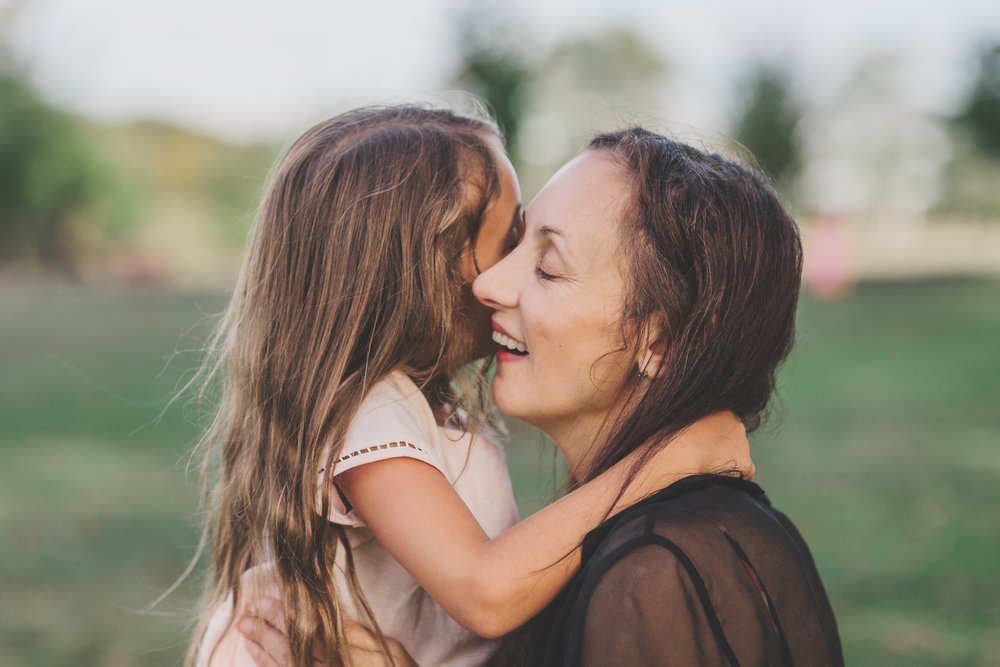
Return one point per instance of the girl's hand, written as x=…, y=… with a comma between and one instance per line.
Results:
x=262, y=625
x=367, y=652
x=727, y=443
x=716, y=443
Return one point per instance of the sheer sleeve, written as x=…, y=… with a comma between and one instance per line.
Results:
x=646, y=610
x=704, y=574
x=653, y=607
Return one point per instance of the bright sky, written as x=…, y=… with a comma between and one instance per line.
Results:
x=250, y=69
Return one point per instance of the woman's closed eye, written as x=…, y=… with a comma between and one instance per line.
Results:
x=543, y=274
x=549, y=265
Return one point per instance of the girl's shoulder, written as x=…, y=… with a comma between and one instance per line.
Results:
x=393, y=418
x=396, y=392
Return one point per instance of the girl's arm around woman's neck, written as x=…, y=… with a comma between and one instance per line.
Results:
x=492, y=586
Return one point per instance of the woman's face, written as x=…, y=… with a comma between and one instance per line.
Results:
x=558, y=295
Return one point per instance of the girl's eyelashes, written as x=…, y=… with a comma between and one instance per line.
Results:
x=513, y=239
x=516, y=234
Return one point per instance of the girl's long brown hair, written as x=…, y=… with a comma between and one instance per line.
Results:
x=713, y=265
x=352, y=271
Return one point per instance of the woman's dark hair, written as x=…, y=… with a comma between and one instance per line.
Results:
x=714, y=265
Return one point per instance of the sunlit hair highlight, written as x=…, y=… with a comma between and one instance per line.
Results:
x=352, y=272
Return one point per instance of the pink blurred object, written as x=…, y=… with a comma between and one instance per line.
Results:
x=828, y=272
x=136, y=269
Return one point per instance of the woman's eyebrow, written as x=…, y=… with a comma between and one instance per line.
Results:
x=545, y=230
x=558, y=240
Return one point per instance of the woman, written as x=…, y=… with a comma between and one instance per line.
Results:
x=655, y=284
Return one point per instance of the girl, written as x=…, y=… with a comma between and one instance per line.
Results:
x=349, y=483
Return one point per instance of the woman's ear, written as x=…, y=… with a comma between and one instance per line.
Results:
x=650, y=364
x=652, y=351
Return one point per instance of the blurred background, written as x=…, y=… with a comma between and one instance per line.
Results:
x=134, y=142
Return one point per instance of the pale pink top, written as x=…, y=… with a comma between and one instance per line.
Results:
x=395, y=420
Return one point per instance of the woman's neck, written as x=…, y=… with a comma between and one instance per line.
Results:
x=578, y=440
x=581, y=437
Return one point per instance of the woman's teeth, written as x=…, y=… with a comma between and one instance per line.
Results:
x=509, y=343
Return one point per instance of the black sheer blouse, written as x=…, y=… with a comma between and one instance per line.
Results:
x=705, y=572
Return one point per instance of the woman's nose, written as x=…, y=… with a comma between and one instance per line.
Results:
x=495, y=287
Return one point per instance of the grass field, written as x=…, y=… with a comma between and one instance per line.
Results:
x=884, y=448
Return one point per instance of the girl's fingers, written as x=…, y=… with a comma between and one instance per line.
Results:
x=259, y=655
x=366, y=651
x=270, y=610
x=360, y=637
x=263, y=627
x=268, y=645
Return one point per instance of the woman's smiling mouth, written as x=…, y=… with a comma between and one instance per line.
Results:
x=510, y=348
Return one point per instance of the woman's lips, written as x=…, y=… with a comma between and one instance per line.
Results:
x=505, y=355
x=500, y=329
x=509, y=343
x=510, y=349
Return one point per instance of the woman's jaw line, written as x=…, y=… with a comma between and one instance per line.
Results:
x=577, y=436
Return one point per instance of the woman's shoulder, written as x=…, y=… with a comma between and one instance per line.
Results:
x=710, y=526
x=710, y=553
x=685, y=508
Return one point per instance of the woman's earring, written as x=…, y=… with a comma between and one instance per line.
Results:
x=643, y=375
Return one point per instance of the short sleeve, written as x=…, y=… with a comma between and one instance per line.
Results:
x=394, y=421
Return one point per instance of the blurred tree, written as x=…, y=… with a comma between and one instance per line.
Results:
x=981, y=112
x=872, y=151
x=54, y=190
x=969, y=182
x=617, y=61
x=490, y=68
x=588, y=84
x=768, y=120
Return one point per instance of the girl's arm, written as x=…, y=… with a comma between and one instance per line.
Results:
x=493, y=586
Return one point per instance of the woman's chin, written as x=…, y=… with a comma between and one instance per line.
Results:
x=508, y=401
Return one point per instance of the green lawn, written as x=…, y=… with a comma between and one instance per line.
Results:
x=883, y=448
